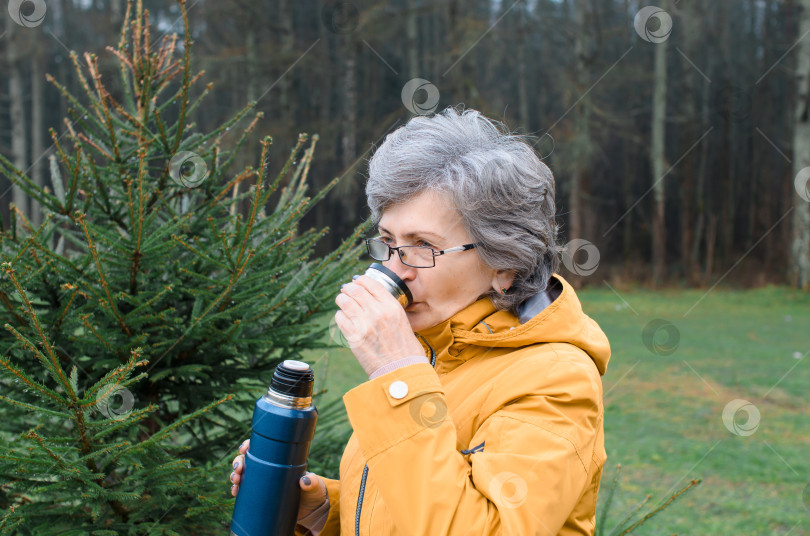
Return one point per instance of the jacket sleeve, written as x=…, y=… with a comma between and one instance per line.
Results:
x=332, y=525
x=532, y=470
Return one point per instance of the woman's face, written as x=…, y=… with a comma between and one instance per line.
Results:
x=457, y=279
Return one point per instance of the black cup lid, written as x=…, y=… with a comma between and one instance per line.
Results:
x=395, y=278
x=293, y=378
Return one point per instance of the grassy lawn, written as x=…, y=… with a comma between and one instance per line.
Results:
x=665, y=397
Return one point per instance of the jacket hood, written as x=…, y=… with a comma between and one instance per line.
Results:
x=560, y=320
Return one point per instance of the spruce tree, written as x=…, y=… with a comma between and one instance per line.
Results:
x=145, y=315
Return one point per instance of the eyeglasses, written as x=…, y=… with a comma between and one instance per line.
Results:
x=414, y=256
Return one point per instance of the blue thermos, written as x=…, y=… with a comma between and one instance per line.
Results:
x=283, y=426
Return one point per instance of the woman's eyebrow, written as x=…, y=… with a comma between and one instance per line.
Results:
x=410, y=235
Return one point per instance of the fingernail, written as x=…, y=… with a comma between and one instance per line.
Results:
x=232, y=488
x=232, y=475
x=343, y=285
x=235, y=465
x=306, y=480
x=355, y=277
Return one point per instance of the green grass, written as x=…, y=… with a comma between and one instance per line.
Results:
x=663, y=419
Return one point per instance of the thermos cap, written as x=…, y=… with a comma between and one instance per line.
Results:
x=293, y=378
x=392, y=282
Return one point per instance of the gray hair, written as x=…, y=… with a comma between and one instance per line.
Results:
x=502, y=191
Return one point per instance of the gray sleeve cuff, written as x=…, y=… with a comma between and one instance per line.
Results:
x=404, y=362
x=316, y=519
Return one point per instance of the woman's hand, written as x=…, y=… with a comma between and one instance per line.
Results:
x=312, y=494
x=375, y=324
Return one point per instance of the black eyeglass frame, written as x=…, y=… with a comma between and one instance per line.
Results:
x=465, y=247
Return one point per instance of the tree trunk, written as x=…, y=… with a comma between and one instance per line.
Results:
x=411, y=40
x=287, y=46
x=800, y=244
x=691, y=17
x=16, y=112
x=37, y=132
x=658, y=162
x=522, y=75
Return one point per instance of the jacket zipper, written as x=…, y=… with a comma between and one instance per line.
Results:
x=365, y=468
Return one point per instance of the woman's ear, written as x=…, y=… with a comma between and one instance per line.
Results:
x=503, y=279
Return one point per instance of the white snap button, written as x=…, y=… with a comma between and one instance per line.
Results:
x=398, y=389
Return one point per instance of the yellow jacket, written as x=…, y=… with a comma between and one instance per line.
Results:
x=502, y=434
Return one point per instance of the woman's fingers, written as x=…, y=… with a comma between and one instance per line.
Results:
x=313, y=493
x=239, y=464
x=238, y=467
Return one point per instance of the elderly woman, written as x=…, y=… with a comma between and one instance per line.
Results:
x=483, y=410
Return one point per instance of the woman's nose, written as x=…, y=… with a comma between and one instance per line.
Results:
x=403, y=271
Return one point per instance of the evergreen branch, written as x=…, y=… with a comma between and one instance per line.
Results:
x=630, y=515
x=657, y=510
x=232, y=184
x=65, y=93
x=33, y=384
x=136, y=253
x=220, y=298
x=223, y=237
x=54, y=364
x=104, y=197
x=208, y=87
x=37, y=409
x=155, y=438
x=164, y=140
x=110, y=303
x=74, y=183
x=4, y=298
x=186, y=66
x=92, y=62
x=75, y=289
x=89, y=326
x=253, y=210
x=302, y=138
x=148, y=303
x=115, y=375
x=89, y=92
x=68, y=468
x=199, y=253
x=232, y=154
x=32, y=239
x=123, y=60
x=603, y=516
x=127, y=422
x=30, y=187
x=95, y=146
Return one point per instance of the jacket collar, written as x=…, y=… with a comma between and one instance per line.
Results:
x=480, y=316
x=556, y=316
